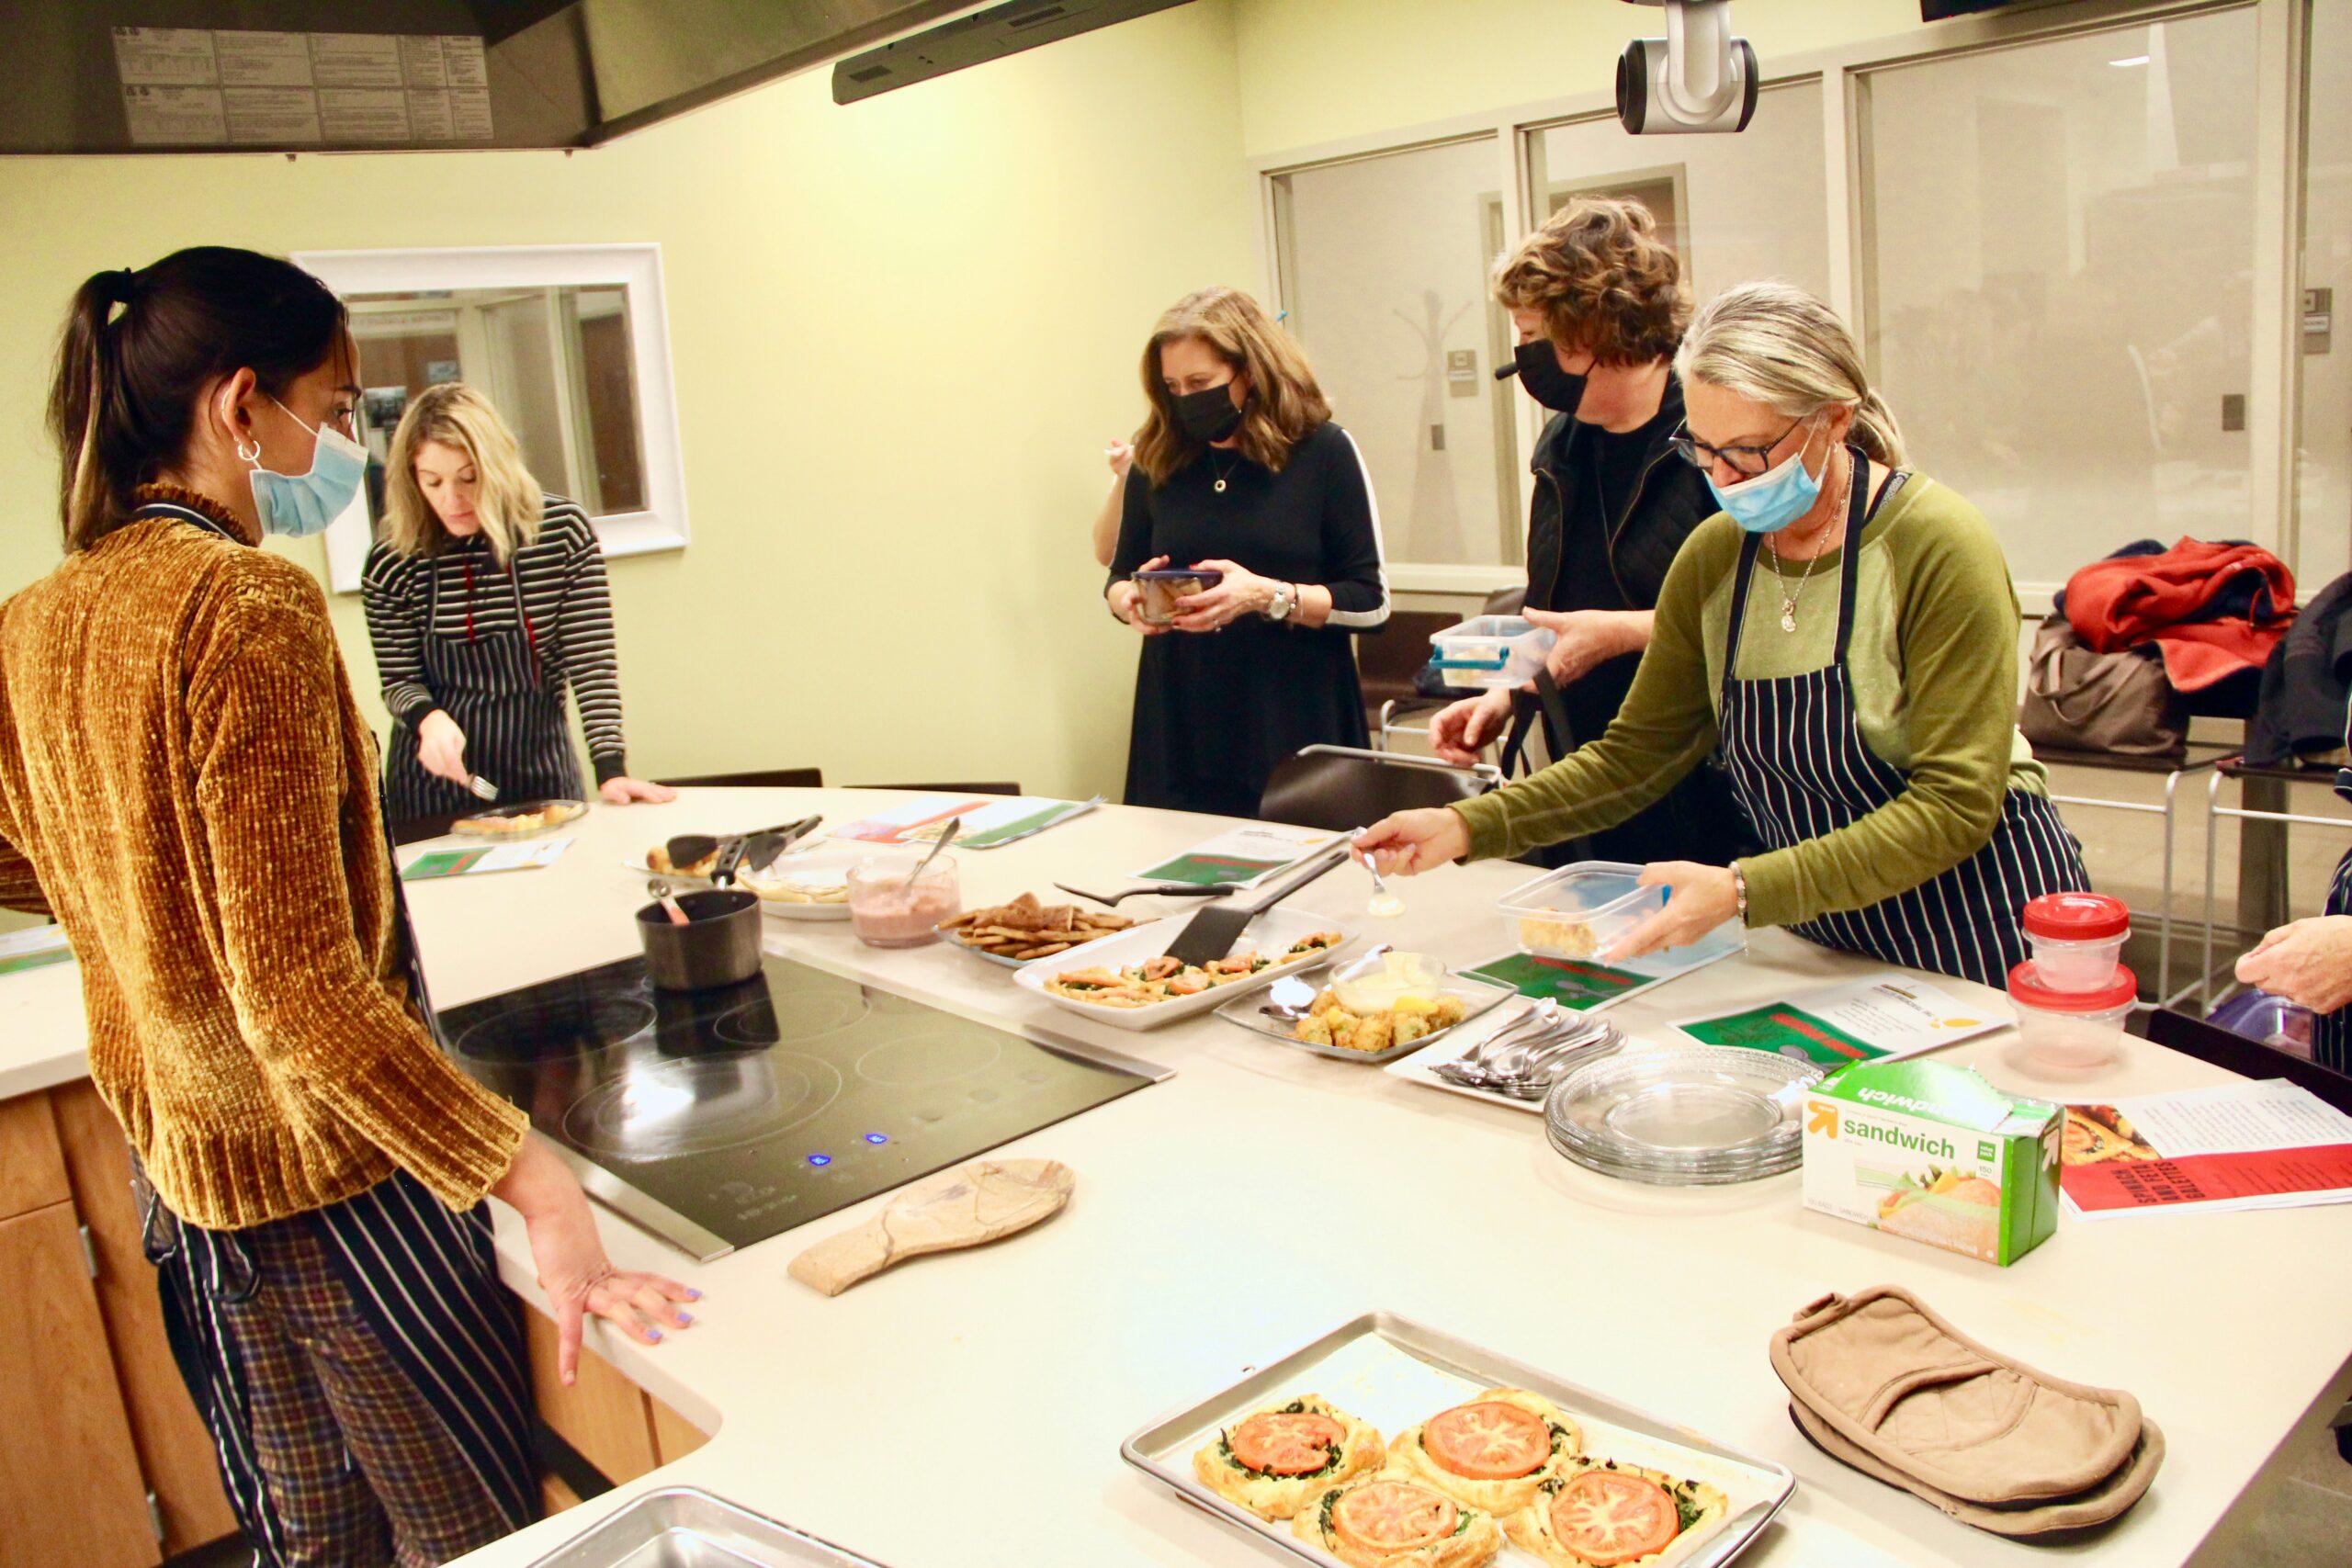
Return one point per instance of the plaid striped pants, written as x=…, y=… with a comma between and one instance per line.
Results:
x=362, y=1373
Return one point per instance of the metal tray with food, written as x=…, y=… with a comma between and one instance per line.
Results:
x=1270, y=936
x=1388, y=1402
x=684, y=1527
x=1292, y=997
x=523, y=819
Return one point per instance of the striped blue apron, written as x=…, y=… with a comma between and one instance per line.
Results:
x=1800, y=769
x=2332, y=1031
x=492, y=683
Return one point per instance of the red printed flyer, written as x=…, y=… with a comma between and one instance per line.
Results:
x=2268, y=1145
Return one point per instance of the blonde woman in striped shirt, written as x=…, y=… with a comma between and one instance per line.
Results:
x=486, y=599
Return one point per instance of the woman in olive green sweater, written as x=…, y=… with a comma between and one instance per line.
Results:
x=1846, y=633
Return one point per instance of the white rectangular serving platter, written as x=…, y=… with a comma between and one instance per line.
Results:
x=1481, y=997
x=1393, y=1373
x=1271, y=932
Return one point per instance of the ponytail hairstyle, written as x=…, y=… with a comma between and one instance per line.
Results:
x=1774, y=344
x=123, y=404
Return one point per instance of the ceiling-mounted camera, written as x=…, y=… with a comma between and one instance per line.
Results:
x=1698, y=77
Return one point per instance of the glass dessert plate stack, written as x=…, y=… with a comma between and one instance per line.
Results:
x=1683, y=1116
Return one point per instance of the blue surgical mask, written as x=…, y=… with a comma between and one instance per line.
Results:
x=297, y=505
x=1773, y=499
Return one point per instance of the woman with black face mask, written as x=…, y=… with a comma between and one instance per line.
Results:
x=1599, y=302
x=1240, y=475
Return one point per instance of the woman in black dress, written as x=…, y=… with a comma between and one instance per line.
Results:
x=1238, y=469
x=486, y=598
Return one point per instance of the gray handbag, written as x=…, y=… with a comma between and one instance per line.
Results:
x=2080, y=700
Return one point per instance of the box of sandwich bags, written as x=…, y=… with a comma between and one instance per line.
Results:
x=1931, y=1151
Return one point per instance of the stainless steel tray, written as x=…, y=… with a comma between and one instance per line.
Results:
x=1393, y=1373
x=1484, y=997
x=682, y=1527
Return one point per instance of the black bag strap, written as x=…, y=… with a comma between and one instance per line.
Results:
x=1523, y=710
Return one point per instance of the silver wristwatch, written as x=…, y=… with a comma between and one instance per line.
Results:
x=1286, y=601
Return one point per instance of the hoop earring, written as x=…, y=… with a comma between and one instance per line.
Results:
x=253, y=457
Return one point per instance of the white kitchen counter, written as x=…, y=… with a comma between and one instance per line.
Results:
x=967, y=1409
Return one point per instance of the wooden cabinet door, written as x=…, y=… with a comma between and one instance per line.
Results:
x=175, y=1450
x=71, y=1491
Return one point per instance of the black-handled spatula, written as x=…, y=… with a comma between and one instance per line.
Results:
x=1210, y=934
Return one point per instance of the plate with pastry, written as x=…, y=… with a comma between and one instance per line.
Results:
x=1391, y=1520
x=1127, y=981
x=1272, y=1459
x=1491, y=1461
x=806, y=884
x=1602, y=1514
x=1028, y=930
x=523, y=819
x=1491, y=1452
x=1314, y=1018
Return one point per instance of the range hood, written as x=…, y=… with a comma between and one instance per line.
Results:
x=117, y=76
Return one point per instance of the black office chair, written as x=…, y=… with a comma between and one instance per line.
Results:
x=1338, y=787
x=949, y=788
x=771, y=778
x=2247, y=1058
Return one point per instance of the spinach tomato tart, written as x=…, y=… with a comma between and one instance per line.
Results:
x=1271, y=1460
x=1601, y=1514
x=1492, y=1452
x=1390, y=1521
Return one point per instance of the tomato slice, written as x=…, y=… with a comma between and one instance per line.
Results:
x=1390, y=1516
x=1298, y=1443
x=1488, y=1441
x=1608, y=1518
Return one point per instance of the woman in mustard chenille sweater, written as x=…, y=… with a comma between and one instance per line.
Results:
x=187, y=784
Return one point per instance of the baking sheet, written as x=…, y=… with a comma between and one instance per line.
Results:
x=1395, y=1373
x=1482, y=996
x=684, y=1527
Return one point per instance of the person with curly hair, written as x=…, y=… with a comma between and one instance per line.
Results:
x=1599, y=304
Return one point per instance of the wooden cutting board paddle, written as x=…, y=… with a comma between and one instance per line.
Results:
x=982, y=1201
x=1210, y=935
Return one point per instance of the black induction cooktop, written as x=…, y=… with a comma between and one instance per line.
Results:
x=719, y=1118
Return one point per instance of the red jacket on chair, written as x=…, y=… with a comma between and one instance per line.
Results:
x=2169, y=600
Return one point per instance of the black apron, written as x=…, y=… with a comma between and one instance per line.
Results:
x=1800, y=769
x=493, y=685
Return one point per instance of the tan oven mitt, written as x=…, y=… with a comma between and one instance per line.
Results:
x=2096, y=1506
x=1897, y=1382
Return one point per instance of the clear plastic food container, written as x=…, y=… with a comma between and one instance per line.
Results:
x=2072, y=1028
x=1490, y=650
x=887, y=910
x=1160, y=588
x=2078, y=938
x=1577, y=910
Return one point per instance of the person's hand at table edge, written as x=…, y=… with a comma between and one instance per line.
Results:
x=2309, y=962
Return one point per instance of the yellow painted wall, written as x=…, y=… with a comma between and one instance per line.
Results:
x=1315, y=71
x=902, y=332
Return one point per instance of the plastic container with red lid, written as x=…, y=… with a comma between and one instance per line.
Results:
x=2072, y=1027
x=2078, y=938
